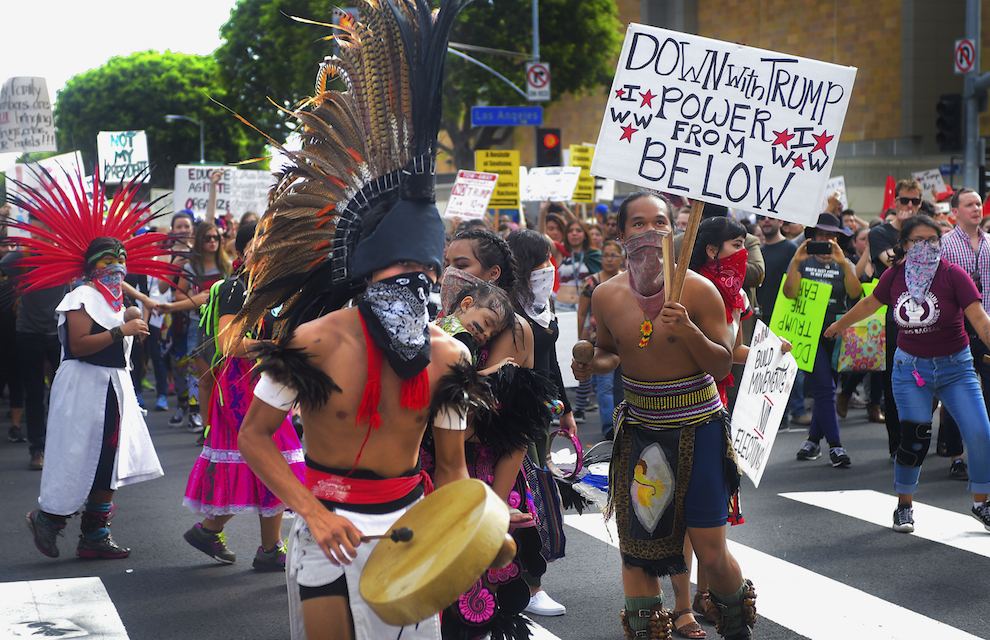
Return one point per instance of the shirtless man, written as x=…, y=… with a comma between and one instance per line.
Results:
x=672, y=411
x=335, y=440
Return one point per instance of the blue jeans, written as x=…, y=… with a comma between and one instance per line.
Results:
x=953, y=380
x=795, y=404
x=824, y=421
x=606, y=404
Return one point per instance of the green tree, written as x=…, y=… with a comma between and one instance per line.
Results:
x=266, y=54
x=136, y=92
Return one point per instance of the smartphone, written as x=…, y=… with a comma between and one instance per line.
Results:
x=820, y=248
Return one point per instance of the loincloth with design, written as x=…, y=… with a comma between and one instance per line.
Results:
x=652, y=461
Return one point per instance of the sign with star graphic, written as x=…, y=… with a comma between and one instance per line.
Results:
x=723, y=123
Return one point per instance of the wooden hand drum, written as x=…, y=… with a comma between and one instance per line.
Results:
x=457, y=532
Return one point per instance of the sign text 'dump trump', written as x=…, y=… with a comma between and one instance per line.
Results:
x=723, y=123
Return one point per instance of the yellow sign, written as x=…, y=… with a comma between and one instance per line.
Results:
x=506, y=165
x=580, y=156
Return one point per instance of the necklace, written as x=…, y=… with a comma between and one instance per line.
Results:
x=645, y=330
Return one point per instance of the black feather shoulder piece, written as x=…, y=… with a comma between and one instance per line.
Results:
x=462, y=389
x=292, y=367
x=521, y=413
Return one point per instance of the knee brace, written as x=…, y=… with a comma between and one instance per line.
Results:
x=916, y=437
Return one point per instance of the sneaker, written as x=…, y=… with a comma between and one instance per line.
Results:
x=45, y=532
x=105, y=547
x=273, y=560
x=803, y=419
x=212, y=544
x=195, y=423
x=958, y=470
x=809, y=451
x=982, y=513
x=37, y=462
x=543, y=605
x=857, y=401
x=16, y=434
x=178, y=420
x=162, y=404
x=578, y=417
x=904, y=518
x=171, y=390
x=839, y=457
x=147, y=386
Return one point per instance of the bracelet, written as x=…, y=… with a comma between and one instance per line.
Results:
x=116, y=334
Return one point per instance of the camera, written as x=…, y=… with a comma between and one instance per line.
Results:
x=819, y=248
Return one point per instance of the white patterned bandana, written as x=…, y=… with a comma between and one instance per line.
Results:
x=395, y=313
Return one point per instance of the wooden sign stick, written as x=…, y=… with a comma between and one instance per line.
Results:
x=667, y=245
x=674, y=294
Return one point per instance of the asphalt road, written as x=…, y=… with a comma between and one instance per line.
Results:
x=817, y=543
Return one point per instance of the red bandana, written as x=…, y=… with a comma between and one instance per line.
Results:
x=728, y=274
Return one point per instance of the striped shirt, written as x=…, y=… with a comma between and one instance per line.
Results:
x=957, y=249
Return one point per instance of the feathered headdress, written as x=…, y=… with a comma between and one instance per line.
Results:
x=74, y=218
x=359, y=195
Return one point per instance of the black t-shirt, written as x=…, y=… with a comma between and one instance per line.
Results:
x=829, y=273
x=230, y=297
x=36, y=311
x=881, y=238
x=777, y=258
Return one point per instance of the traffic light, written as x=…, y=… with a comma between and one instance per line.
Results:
x=547, y=147
x=949, y=122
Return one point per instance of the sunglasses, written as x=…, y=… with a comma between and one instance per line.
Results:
x=907, y=201
x=211, y=238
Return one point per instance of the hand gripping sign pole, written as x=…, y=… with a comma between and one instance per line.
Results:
x=675, y=289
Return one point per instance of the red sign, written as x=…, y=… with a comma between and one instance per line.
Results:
x=965, y=56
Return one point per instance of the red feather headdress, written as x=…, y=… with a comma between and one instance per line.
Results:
x=74, y=220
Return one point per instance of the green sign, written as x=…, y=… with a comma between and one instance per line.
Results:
x=800, y=320
x=868, y=288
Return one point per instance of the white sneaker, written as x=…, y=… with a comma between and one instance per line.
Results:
x=543, y=605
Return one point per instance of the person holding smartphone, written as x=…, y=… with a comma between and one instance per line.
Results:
x=820, y=258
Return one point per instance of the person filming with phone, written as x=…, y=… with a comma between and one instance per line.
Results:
x=820, y=258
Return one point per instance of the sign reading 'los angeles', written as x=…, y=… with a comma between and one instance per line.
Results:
x=723, y=123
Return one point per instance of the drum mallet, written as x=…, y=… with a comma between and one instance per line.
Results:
x=583, y=351
x=131, y=313
x=402, y=534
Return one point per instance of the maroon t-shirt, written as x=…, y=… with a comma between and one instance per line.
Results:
x=935, y=327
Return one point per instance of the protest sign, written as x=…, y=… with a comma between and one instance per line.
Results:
x=61, y=170
x=122, y=155
x=470, y=195
x=555, y=184
x=238, y=191
x=26, y=121
x=580, y=156
x=761, y=401
x=723, y=123
x=932, y=184
x=801, y=320
x=836, y=184
x=506, y=165
x=248, y=191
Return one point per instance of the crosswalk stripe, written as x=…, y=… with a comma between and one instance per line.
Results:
x=66, y=608
x=951, y=528
x=784, y=589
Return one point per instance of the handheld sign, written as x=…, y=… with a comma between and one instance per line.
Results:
x=932, y=183
x=506, y=164
x=761, y=401
x=800, y=321
x=123, y=155
x=470, y=196
x=26, y=120
x=556, y=184
x=723, y=123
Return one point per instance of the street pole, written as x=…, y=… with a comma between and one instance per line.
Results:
x=202, y=152
x=973, y=147
x=536, y=31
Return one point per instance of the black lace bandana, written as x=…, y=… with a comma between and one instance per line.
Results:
x=395, y=314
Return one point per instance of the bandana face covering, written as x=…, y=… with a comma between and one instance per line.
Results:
x=645, y=269
x=541, y=282
x=727, y=275
x=919, y=269
x=108, y=281
x=394, y=311
x=453, y=283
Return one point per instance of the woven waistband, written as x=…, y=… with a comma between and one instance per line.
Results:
x=682, y=401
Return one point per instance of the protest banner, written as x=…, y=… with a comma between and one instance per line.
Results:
x=26, y=121
x=836, y=184
x=801, y=320
x=506, y=165
x=470, y=196
x=61, y=170
x=555, y=184
x=122, y=155
x=723, y=123
x=580, y=156
x=761, y=401
x=932, y=184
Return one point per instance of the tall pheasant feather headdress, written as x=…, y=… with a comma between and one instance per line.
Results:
x=74, y=218
x=359, y=195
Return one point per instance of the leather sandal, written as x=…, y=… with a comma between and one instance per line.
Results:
x=700, y=605
x=691, y=629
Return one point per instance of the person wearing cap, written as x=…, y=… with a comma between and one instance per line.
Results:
x=834, y=269
x=601, y=212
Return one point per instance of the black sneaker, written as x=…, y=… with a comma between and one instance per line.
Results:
x=16, y=434
x=904, y=518
x=195, y=423
x=273, y=560
x=45, y=532
x=178, y=420
x=212, y=544
x=982, y=513
x=839, y=457
x=809, y=451
x=105, y=547
x=958, y=470
x=578, y=416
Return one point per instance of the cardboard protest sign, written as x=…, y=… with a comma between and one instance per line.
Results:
x=932, y=184
x=555, y=184
x=838, y=183
x=800, y=321
x=723, y=123
x=580, y=156
x=26, y=121
x=761, y=401
x=192, y=188
x=61, y=170
x=470, y=196
x=122, y=155
x=506, y=165
x=248, y=191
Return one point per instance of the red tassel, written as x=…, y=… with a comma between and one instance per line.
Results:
x=416, y=391
x=735, y=511
x=368, y=410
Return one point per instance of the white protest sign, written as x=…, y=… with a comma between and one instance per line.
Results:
x=838, y=183
x=556, y=184
x=248, y=192
x=723, y=123
x=62, y=170
x=761, y=401
x=931, y=181
x=26, y=121
x=192, y=188
x=470, y=195
x=122, y=155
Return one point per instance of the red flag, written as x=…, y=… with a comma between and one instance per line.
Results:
x=888, y=195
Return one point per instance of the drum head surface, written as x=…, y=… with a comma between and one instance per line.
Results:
x=457, y=532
